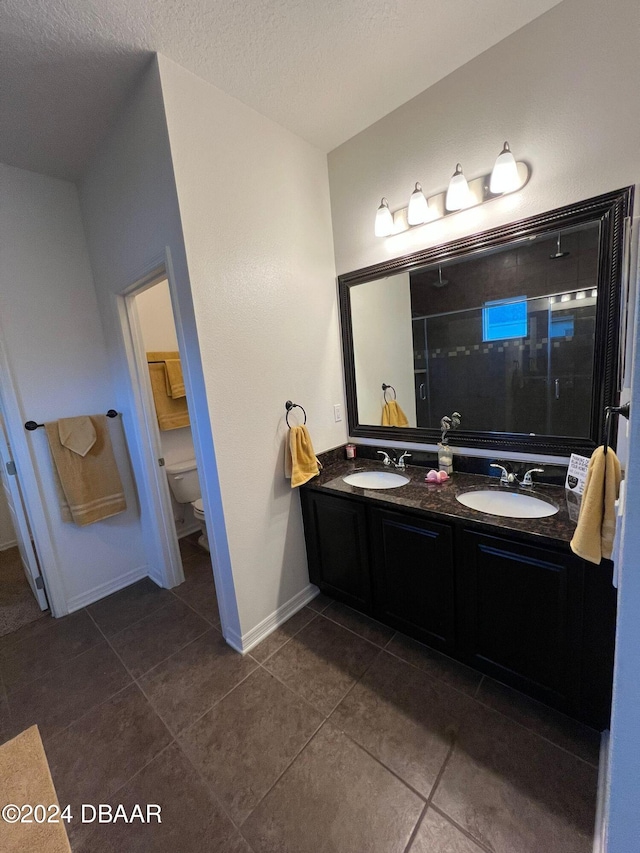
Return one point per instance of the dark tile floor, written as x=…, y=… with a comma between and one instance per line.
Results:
x=335, y=734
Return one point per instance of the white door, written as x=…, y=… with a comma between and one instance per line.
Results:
x=11, y=489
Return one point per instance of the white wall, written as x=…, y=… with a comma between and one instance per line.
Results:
x=132, y=220
x=55, y=348
x=254, y=203
x=383, y=346
x=556, y=89
x=559, y=91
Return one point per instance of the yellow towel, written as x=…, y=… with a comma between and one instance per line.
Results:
x=89, y=487
x=171, y=414
x=392, y=415
x=593, y=537
x=300, y=463
x=175, y=381
x=26, y=778
x=173, y=375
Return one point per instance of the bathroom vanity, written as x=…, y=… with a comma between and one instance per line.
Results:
x=505, y=596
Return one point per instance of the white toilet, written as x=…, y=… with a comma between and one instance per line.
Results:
x=185, y=486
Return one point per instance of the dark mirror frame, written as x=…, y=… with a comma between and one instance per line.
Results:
x=610, y=210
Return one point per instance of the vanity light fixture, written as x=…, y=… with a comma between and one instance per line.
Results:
x=419, y=211
x=507, y=176
x=384, y=220
x=458, y=195
x=504, y=177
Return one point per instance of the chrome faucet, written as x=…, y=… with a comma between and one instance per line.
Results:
x=401, y=463
x=527, y=481
x=387, y=459
x=507, y=478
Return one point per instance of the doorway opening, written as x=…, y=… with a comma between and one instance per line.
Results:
x=172, y=421
x=22, y=595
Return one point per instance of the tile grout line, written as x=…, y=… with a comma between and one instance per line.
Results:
x=480, y=844
x=280, y=775
x=477, y=690
x=427, y=804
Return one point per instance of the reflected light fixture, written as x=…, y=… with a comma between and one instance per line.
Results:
x=418, y=211
x=384, y=220
x=458, y=192
x=504, y=177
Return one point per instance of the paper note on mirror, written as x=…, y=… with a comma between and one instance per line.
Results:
x=576, y=473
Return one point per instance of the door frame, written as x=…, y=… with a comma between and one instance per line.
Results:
x=166, y=569
x=24, y=459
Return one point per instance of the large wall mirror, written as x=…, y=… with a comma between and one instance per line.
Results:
x=518, y=329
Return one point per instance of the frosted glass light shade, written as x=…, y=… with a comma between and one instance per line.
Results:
x=504, y=177
x=418, y=211
x=384, y=220
x=458, y=191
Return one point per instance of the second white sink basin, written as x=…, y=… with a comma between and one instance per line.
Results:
x=376, y=480
x=507, y=504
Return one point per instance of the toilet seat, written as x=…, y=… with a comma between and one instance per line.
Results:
x=198, y=509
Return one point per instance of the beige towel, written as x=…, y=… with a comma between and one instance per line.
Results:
x=171, y=414
x=89, y=487
x=593, y=537
x=26, y=778
x=78, y=434
x=392, y=415
x=300, y=463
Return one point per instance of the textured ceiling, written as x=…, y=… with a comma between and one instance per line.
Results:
x=325, y=69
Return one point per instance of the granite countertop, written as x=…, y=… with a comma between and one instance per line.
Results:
x=439, y=501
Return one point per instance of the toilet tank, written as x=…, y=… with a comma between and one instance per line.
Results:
x=183, y=481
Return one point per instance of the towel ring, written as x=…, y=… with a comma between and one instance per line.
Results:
x=385, y=388
x=608, y=422
x=288, y=406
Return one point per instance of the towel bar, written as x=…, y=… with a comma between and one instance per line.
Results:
x=31, y=425
x=612, y=410
x=288, y=406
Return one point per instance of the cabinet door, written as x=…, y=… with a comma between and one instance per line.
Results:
x=336, y=535
x=413, y=577
x=520, y=616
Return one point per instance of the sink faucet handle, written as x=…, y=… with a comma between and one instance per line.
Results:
x=527, y=480
x=507, y=478
x=387, y=458
x=401, y=463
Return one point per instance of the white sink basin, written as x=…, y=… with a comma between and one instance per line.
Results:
x=508, y=504
x=376, y=480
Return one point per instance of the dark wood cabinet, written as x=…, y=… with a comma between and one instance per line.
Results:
x=520, y=615
x=413, y=576
x=337, y=547
x=531, y=615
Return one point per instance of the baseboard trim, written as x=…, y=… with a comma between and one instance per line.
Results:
x=4, y=546
x=98, y=592
x=248, y=641
x=192, y=528
x=600, y=832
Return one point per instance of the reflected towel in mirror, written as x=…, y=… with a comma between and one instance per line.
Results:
x=392, y=415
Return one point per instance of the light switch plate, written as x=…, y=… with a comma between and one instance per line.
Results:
x=337, y=412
